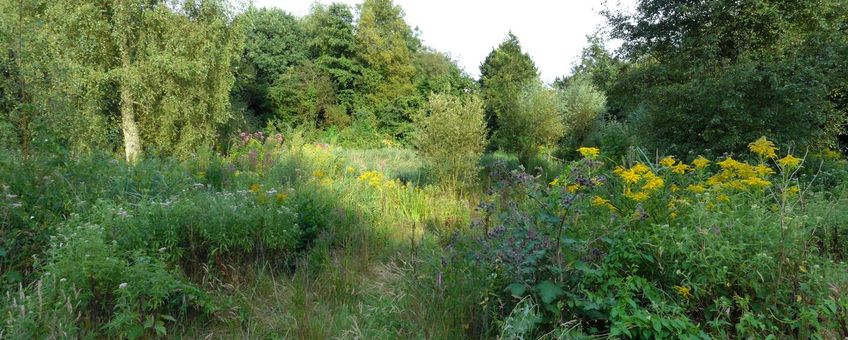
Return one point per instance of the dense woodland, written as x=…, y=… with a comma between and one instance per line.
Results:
x=205, y=168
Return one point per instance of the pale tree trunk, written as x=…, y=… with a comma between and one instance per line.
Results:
x=132, y=138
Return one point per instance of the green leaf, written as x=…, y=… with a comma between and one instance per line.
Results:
x=548, y=291
x=516, y=289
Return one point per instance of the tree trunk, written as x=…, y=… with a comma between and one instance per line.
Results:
x=132, y=138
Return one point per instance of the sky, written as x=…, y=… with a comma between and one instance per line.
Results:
x=553, y=32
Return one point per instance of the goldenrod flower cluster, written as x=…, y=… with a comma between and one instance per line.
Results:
x=599, y=201
x=695, y=183
x=588, y=152
x=373, y=178
x=738, y=175
x=377, y=179
x=763, y=147
x=683, y=291
x=639, y=176
x=789, y=162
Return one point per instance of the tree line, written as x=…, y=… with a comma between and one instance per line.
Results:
x=170, y=76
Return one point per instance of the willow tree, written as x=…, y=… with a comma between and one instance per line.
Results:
x=161, y=68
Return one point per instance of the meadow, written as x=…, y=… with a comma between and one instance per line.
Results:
x=207, y=169
x=310, y=240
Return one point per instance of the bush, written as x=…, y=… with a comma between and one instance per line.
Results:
x=451, y=135
x=534, y=122
x=615, y=138
x=581, y=104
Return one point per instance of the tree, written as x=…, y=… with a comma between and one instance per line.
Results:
x=163, y=66
x=275, y=41
x=726, y=72
x=29, y=96
x=386, y=46
x=450, y=133
x=304, y=95
x=581, y=105
x=533, y=121
x=436, y=72
x=333, y=46
x=503, y=74
x=601, y=68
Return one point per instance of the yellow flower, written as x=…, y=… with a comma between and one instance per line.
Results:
x=280, y=197
x=640, y=168
x=653, y=183
x=600, y=201
x=373, y=178
x=789, y=162
x=763, y=147
x=729, y=163
x=697, y=188
x=589, y=152
x=350, y=170
x=629, y=176
x=792, y=191
x=829, y=153
x=723, y=198
x=763, y=170
x=255, y=187
x=637, y=196
x=573, y=188
x=391, y=184
x=700, y=162
x=680, y=168
x=318, y=174
x=683, y=291
x=555, y=182
x=756, y=182
x=667, y=162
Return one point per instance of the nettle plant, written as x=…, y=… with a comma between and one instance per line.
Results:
x=665, y=248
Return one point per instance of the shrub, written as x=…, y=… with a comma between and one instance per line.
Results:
x=581, y=104
x=451, y=135
x=533, y=123
x=615, y=138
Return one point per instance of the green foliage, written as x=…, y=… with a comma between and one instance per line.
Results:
x=616, y=138
x=581, y=106
x=700, y=82
x=503, y=75
x=451, y=135
x=532, y=122
x=88, y=282
x=333, y=46
x=304, y=96
x=702, y=255
x=35, y=116
x=437, y=73
x=386, y=47
x=274, y=42
x=169, y=68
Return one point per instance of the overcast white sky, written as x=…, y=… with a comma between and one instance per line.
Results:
x=553, y=32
